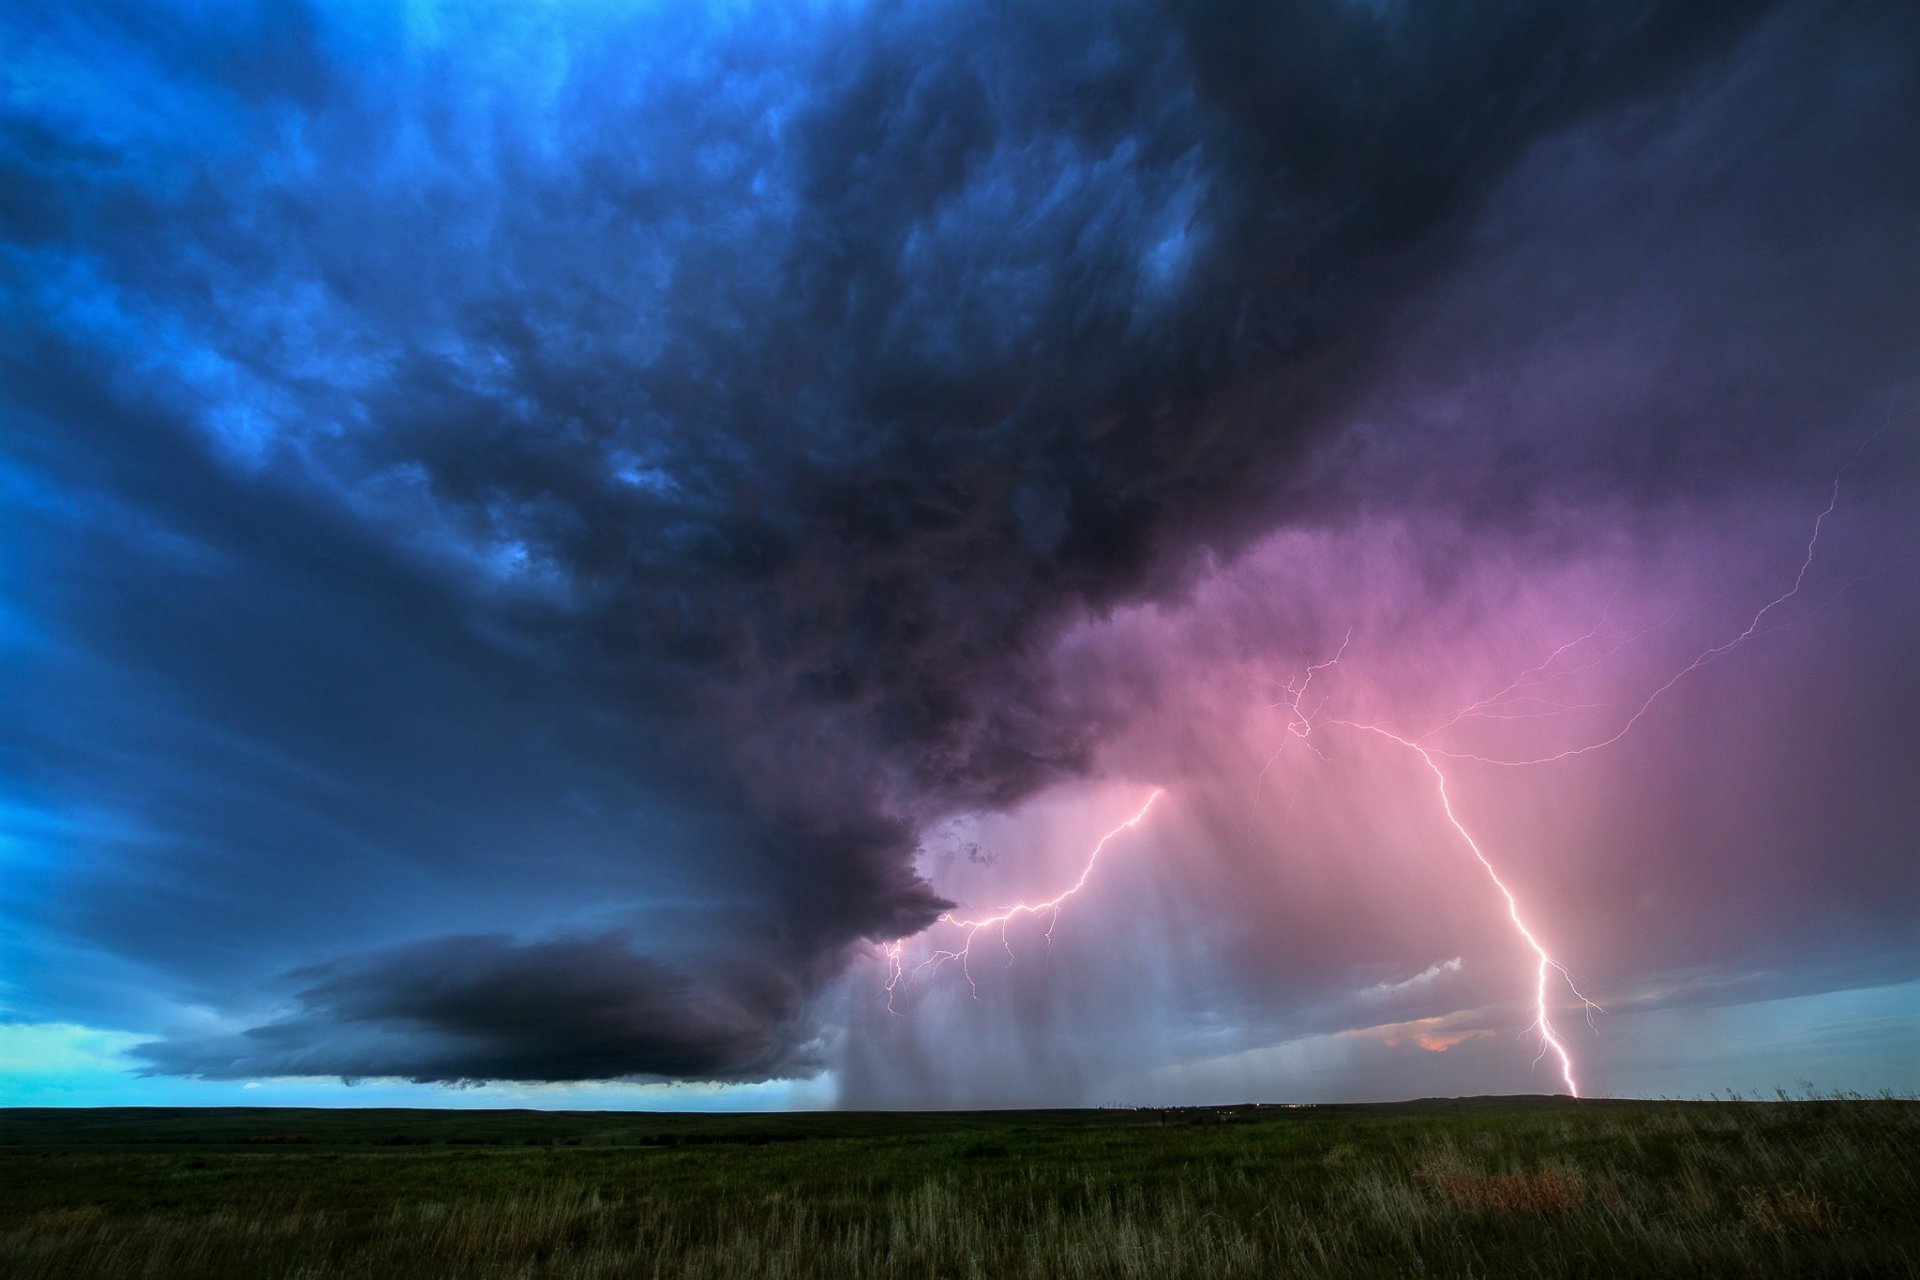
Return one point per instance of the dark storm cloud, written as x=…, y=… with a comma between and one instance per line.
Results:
x=525, y=472
x=487, y=1008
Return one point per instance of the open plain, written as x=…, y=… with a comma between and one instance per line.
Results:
x=1470, y=1187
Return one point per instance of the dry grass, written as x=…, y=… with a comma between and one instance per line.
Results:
x=1779, y=1210
x=1463, y=1188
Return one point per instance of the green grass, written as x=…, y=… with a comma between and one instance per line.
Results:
x=1504, y=1187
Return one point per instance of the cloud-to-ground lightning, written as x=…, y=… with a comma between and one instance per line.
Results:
x=1048, y=907
x=1515, y=700
x=1542, y=1014
x=1301, y=723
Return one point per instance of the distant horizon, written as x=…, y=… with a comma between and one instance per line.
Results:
x=1885, y=1095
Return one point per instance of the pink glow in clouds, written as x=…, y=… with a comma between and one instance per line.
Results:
x=1503, y=704
x=1505, y=658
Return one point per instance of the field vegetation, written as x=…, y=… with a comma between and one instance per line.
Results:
x=1475, y=1187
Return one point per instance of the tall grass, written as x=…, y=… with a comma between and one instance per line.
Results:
x=1826, y=1187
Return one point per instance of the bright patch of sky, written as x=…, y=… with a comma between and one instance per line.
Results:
x=60, y=1064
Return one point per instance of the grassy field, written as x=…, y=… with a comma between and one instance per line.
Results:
x=1476, y=1187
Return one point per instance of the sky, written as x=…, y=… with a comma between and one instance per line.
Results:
x=941, y=555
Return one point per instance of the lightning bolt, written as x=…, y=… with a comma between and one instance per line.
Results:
x=1706, y=656
x=1509, y=702
x=1300, y=721
x=1542, y=1019
x=894, y=952
x=1300, y=725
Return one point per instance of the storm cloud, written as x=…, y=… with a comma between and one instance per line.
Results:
x=485, y=1008
x=525, y=523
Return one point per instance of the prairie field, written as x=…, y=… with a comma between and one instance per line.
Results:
x=1468, y=1187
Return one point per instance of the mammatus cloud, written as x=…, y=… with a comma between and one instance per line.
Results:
x=620, y=480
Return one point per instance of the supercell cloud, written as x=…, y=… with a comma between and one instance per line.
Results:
x=537, y=540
